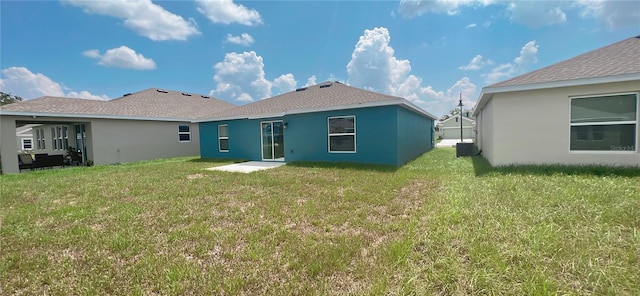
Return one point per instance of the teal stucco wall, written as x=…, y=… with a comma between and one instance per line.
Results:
x=415, y=135
x=388, y=135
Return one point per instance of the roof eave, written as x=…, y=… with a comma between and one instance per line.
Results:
x=399, y=101
x=88, y=116
x=487, y=92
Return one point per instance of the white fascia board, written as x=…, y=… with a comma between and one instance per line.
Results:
x=89, y=116
x=487, y=92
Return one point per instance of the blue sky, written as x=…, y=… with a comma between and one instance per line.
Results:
x=241, y=51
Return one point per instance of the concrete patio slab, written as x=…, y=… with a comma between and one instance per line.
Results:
x=451, y=142
x=248, y=167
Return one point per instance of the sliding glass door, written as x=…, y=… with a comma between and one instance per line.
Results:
x=272, y=140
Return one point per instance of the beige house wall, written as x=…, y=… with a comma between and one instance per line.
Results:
x=541, y=135
x=108, y=141
x=120, y=141
x=8, y=144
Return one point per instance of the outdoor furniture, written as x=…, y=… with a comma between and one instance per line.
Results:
x=25, y=162
x=49, y=161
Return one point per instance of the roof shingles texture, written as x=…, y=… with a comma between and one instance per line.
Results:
x=621, y=58
x=149, y=103
x=323, y=95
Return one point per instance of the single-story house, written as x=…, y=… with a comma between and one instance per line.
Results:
x=329, y=122
x=149, y=124
x=450, y=128
x=580, y=111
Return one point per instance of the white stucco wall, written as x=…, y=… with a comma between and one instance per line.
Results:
x=541, y=135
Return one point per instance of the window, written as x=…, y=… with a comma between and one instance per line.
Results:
x=53, y=138
x=40, y=139
x=27, y=144
x=59, y=137
x=184, y=133
x=223, y=138
x=65, y=135
x=604, y=123
x=342, y=134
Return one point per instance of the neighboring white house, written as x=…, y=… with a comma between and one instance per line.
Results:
x=149, y=124
x=580, y=111
x=24, y=136
x=450, y=128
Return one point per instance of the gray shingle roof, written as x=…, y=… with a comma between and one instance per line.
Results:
x=149, y=103
x=620, y=58
x=325, y=95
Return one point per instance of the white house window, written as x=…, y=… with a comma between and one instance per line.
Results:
x=223, y=138
x=604, y=123
x=40, y=139
x=27, y=144
x=53, y=138
x=342, y=134
x=65, y=136
x=59, y=137
x=184, y=133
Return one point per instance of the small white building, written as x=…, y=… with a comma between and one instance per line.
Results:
x=450, y=128
x=580, y=111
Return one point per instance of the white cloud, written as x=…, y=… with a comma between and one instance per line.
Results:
x=121, y=57
x=86, y=95
x=22, y=82
x=226, y=12
x=244, y=39
x=311, y=81
x=143, y=17
x=374, y=66
x=528, y=56
x=536, y=14
x=240, y=77
x=477, y=63
x=413, y=8
x=472, y=25
x=613, y=14
x=285, y=83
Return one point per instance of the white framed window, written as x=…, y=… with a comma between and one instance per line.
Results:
x=184, y=133
x=604, y=123
x=27, y=144
x=59, y=137
x=40, y=141
x=223, y=138
x=342, y=134
x=65, y=136
x=53, y=138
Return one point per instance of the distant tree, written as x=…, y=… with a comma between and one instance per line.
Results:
x=444, y=117
x=8, y=98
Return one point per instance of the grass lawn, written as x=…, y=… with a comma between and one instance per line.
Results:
x=438, y=225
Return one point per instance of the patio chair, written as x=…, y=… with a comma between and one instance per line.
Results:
x=25, y=162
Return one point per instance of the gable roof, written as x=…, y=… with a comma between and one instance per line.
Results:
x=617, y=62
x=149, y=104
x=316, y=98
x=456, y=116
